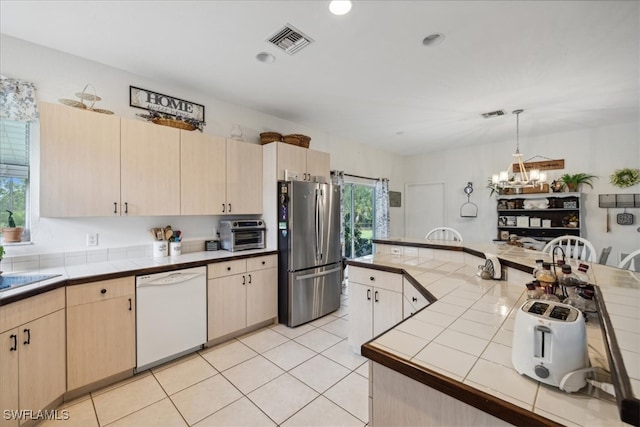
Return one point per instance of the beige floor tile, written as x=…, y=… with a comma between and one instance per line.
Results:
x=292, y=332
x=227, y=355
x=79, y=414
x=318, y=340
x=343, y=310
x=181, y=375
x=289, y=355
x=126, y=381
x=322, y=413
x=343, y=354
x=352, y=394
x=339, y=327
x=127, y=399
x=263, y=340
x=161, y=413
x=204, y=398
x=253, y=373
x=282, y=397
x=241, y=413
x=363, y=370
x=320, y=373
x=323, y=320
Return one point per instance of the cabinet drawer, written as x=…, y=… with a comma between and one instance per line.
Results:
x=226, y=268
x=100, y=291
x=413, y=295
x=20, y=312
x=258, y=263
x=377, y=278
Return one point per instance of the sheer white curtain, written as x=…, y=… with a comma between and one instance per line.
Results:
x=337, y=177
x=18, y=100
x=382, y=208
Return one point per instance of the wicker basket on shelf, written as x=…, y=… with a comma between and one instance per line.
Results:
x=267, y=137
x=297, y=139
x=173, y=123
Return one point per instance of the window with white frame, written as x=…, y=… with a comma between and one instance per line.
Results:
x=14, y=172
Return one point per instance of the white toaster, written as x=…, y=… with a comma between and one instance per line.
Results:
x=550, y=343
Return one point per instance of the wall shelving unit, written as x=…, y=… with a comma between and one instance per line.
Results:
x=528, y=215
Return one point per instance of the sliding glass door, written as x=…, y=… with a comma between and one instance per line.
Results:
x=359, y=217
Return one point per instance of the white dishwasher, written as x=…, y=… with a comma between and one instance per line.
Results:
x=171, y=315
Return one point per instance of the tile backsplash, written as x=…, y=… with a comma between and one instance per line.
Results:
x=52, y=260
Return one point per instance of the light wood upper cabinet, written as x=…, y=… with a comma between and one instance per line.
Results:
x=100, y=330
x=202, y=173
x=318, y=164
x=32, y=353
x=150, y=169
x=307, y=163
x=79, y=162
x=244, y=178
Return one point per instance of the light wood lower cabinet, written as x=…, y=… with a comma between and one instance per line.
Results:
x=241, y=293
x=375, y=304
x=100, y=330
x=32, y=354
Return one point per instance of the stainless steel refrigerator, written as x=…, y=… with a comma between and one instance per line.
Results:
x=309, y=254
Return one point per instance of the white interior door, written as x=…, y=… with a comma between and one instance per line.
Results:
x=425, y=208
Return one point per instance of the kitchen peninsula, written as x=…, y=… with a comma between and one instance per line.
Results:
x=450, y=363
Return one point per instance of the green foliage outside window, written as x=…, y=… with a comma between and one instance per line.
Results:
x=359, y=223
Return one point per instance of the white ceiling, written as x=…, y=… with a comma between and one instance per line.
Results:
x=367, y=77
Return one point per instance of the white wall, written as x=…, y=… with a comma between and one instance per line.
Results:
x=597, y=151
x=58, y=75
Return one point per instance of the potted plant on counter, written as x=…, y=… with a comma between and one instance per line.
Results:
x=11, y=234
x=573, y=182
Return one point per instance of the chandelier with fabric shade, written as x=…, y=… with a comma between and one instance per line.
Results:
x=522, y=179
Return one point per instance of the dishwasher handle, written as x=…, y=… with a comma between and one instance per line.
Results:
x=171, y=279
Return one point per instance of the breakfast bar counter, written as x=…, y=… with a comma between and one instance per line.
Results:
x=450, y=362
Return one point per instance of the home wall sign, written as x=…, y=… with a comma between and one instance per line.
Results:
x=544, y=165
x=154, y=101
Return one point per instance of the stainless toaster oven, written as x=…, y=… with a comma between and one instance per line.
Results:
x=242, y=234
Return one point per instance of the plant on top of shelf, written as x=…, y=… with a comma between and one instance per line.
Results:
x=573, y=182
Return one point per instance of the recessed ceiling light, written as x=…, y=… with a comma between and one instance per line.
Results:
x=433, y=39
x=265, y=57
x=400, y=132
x=340, y=7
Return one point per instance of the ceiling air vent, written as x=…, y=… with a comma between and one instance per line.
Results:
x=290, y=39
x=493, y=114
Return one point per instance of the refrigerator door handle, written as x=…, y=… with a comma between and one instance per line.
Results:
x=312, y=275
x=317, y=224
x=322, y=214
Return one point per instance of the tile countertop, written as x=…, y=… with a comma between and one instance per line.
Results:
x=84, y=273
x=466, y=334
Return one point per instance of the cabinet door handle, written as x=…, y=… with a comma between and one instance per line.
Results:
x=28, y=332
x=368, y=294
x=103, y=291
x=229, y=207
x=264, y=262
x=115, y=208
x=14, y=337
x=244, y=280
x=249, y=279
x=228, y=268
x=375, y=296
x=223, y=208
x=372, y=278
x=126, y=208
x=414, y=299
x=130, y=304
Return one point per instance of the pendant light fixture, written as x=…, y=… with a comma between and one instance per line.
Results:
x=524, y=179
